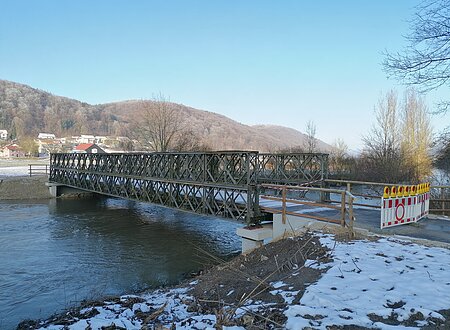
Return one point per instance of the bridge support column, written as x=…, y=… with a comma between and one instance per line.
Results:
x=53, y=188
x=58, y=189
x=254, y=238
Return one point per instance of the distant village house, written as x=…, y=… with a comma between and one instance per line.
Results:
x=88, y=148
x=11, y=151
x=3, y=134
x=86, y=139
x=46, y=136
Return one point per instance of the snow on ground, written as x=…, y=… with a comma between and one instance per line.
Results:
x=14, y=171
x=388, y=278
x=367, y=283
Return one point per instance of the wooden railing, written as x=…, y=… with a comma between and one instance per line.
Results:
x=345, y=205
x=38, y=169
x=439, y=202
x=349, y=184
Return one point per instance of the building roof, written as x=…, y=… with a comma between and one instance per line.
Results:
x=12, y=147
x=83, y=146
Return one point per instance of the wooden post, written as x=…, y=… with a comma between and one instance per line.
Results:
x=350, y=214
x=443, y=200
x=283, y=201
x=343, y=208
x=349, y=187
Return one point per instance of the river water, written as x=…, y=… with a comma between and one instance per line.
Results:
x=55, y=253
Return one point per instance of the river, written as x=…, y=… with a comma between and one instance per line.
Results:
x=55, y=253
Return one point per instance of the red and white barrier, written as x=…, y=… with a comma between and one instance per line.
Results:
x=404, y=204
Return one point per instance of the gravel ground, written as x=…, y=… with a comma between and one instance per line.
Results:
x=24, y=187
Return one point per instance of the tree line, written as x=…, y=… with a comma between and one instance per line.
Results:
x=396, y=149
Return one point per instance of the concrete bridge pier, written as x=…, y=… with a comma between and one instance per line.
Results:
x=58, y=190
x=253, y=238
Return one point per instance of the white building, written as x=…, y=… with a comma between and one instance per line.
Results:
x=86, y=139
x=3, y=134
x=100, y=139
x=46, y=136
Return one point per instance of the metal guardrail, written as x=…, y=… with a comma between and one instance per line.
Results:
x=38, y=169
x=345, y=205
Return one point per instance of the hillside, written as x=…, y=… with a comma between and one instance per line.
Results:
x=25, y=111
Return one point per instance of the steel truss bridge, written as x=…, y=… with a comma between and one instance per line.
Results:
x=225, y=184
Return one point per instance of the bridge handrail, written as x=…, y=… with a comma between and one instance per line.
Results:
x=440, y=201
x=368, y=183
x=342, y=207
x=43, y=169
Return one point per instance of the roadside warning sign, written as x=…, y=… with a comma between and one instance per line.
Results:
x=404, y=204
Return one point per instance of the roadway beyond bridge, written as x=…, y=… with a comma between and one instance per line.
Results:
x=243, y=185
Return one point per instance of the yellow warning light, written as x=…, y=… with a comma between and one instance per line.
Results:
x=393, y=192
x=386, y=192
x=400, y=191
x=407, y=191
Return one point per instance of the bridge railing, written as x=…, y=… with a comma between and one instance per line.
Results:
x=292, y=168
x=440, y=200
x=369, y=194
x=286, y=196
x=219, y=183
x=236, y=168
x=38, y=169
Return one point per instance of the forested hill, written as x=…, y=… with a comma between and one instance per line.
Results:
x=26, y=111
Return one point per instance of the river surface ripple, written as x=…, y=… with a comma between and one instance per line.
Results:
x=55, y=253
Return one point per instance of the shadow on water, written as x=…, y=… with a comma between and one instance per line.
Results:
x=63, y=251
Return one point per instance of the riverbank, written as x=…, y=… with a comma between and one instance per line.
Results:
x=24, y=188
x=316, y=281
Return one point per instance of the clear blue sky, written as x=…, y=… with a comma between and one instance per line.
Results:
x=258, y=62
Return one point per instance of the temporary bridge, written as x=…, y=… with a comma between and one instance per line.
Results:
x=226, y=184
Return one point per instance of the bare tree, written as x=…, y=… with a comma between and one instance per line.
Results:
x=383, y=140
x=442, y=159
x=339, y=158
x=398, y=146
x=158, y=124
x=426, y=60
x=381, y=157
x=311, y=140
x=416, y=136
x=188, y=140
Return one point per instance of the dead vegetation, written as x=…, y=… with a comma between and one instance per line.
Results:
x=227, y=289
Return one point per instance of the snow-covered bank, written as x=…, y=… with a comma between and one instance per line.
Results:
x=14, y=171
x=19, y=166
x=385, y=283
